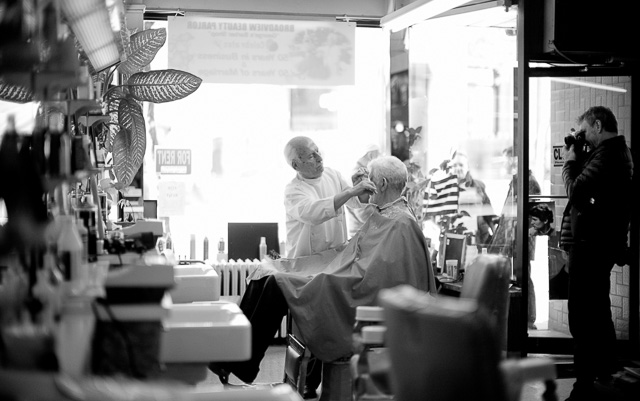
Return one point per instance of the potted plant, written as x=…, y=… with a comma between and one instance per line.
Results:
x=417, y=183
x=119, y=129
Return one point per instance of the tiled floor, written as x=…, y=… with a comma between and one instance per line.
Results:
x=272, y=371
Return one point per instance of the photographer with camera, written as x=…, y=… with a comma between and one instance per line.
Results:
x=598, y=185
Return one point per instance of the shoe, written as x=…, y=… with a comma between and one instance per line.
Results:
x=309, y=393
x=223, y=375
x=582, y=391
x=532, y=326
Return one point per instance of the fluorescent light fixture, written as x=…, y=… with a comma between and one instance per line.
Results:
x=589, y=84
x=417, y=11
x=90, y=22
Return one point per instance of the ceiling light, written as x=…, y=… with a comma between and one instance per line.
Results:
x=418, y=11
x=90, y=22
x=589, y=84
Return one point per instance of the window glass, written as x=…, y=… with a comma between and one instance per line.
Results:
x=462, y=95
x=237, y=133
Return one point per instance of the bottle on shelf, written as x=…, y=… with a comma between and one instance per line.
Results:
x=222, y=256
x=84, y=237
x=69, y=248
x=87, y=213
x=192, y=247
x=169, y=243
x=205, y=249
x=262, y=248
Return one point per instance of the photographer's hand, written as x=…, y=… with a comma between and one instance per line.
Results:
x=569, y=153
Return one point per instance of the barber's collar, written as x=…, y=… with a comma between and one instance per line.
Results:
x=388, y=205
x=309, y=180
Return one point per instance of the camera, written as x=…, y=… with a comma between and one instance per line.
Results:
x=577, y=139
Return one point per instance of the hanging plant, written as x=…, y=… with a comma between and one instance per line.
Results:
x=127, y=133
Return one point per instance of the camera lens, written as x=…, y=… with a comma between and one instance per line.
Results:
x=569, y=140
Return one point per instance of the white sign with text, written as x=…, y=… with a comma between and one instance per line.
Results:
x=252, y=51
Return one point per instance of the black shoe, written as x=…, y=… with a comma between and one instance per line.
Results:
x=309, y=393
x=223, y=375
x=583, y=391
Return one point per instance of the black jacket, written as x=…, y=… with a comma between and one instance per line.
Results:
x=599, y=191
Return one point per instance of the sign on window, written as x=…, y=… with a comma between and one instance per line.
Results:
x=259, y=51
x=173, y=161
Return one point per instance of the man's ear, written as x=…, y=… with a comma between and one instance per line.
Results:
x=384, y=184
x=294, y=164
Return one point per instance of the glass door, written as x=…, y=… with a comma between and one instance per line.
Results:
x=554, y=105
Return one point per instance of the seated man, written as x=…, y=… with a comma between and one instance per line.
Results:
x=323, y=290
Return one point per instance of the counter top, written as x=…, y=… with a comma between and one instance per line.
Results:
x=456, y=286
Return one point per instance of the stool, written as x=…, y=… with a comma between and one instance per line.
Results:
x=336, y=380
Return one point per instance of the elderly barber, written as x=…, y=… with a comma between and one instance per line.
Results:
x=314, y=200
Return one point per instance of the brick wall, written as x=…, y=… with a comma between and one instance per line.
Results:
x=568, y=101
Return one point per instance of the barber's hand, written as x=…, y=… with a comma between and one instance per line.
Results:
x=359, y=175
x=365, y=186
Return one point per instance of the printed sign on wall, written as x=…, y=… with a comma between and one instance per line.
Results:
x=558, y=159
x=171, y=200
x=258, y=51
x=173, y=161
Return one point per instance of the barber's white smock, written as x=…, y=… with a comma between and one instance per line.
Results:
x=313, y=225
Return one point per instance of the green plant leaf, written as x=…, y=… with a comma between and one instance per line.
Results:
x=122, y=164
x=14, y=93
x=112, y=98
x=163, y=85
x=131, y=118
x=114, y=128
x=129, y=144
x=144, y=46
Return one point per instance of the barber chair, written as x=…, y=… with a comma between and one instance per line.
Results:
x=450, y=348
x=336, y=377
x=487, y=281
x=296, y=360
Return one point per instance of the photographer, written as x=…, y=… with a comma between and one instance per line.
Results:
x=598, y=185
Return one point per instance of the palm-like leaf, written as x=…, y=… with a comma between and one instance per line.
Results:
x=15, y=93
x=112, y=99
x=143, y=46
x=163, y=85
x=130, y=117
x=129, y=144
x=122, y=161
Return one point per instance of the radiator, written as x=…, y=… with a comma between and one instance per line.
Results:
x=233, y=283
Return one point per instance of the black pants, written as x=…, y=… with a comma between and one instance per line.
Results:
x=265, y=306
x=590, y=320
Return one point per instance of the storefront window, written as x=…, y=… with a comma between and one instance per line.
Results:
x=236, y=135
x=462, y=95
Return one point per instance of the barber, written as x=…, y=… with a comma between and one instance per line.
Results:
x=315, y=216
x=314, y=200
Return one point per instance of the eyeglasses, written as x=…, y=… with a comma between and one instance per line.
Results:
x=317, y=155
